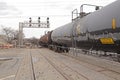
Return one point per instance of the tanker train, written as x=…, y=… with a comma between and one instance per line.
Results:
x=99, y=30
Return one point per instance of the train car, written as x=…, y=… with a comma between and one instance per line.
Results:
x=61, y=38
x=45, y=40
x=99, y=30
x=62, y=35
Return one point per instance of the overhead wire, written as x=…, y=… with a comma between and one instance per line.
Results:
x=34, y=16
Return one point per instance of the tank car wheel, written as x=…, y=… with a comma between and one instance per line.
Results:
x=67, y=50
x=55, y=48
x=58, y=49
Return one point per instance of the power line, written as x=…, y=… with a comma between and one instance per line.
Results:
x=34, y=16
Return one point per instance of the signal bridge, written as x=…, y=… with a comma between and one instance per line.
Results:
x=35, y=25
x=31, y=24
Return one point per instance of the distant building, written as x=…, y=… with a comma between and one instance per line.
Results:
x=3, y=39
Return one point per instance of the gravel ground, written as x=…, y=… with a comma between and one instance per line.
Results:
x=49, y=65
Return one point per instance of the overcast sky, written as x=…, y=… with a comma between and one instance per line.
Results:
x=14, y=11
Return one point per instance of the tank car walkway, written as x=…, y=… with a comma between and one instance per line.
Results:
x=44, y=64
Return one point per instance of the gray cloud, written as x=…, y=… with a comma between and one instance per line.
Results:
x=6, y=9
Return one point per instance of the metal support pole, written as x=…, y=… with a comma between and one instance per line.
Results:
x=20, y=34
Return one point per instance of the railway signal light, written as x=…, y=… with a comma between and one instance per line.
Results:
x=47, y=22
x=30, y=21
x=38, y=21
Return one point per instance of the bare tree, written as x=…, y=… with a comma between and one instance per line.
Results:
x=7, y=32
x=10, y=34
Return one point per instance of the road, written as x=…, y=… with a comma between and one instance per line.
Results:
x=44, y=64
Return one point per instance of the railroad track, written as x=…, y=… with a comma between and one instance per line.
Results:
x=18, y=70
x=60, y=64
x=25, y=70
x=100, y=71
x=61, y=71
x=58, y=69
x=32, y=67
